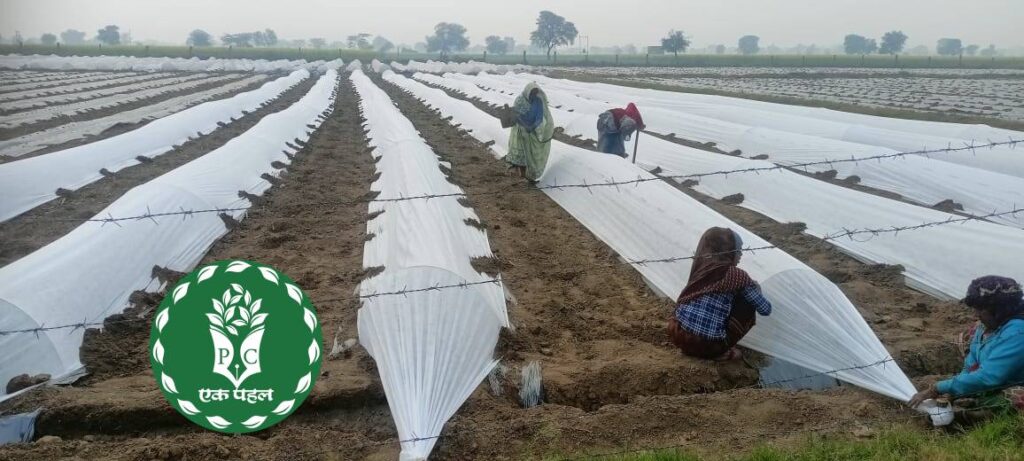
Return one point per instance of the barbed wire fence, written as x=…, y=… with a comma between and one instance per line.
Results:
x=839, y=235
x=611, y=183
x=870, y=233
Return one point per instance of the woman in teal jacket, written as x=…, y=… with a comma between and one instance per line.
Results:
x=996, y=358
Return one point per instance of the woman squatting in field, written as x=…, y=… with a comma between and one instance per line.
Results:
x=993, y=372
x=717, y=307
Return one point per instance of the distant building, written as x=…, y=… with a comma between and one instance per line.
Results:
x=655, y=50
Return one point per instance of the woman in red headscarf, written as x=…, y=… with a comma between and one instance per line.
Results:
x=615, y=127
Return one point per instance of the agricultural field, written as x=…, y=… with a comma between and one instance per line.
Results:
x=691, y=60
x=807, y=72
x=382, y=190
x=959, y=95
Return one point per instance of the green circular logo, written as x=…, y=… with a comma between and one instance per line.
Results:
x=235, y=346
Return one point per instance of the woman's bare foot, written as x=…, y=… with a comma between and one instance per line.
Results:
x=730, y=355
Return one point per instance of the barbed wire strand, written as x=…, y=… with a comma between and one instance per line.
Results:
x=612, y=183
x=839, y=235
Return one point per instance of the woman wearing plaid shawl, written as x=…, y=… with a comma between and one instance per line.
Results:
x=717, y=307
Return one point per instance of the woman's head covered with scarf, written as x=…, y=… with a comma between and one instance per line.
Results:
x=996, y=300
x=634, y=114
x=525, y=99
x=714, y=265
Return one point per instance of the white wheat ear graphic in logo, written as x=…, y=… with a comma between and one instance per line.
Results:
x=223, y=322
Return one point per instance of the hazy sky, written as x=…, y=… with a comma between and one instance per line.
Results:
x=606, y=22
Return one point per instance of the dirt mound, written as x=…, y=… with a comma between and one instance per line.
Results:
x=731, y=421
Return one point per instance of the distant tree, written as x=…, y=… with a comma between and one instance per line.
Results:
x=949, y=46
x=748, y=44
x=857, y=44
x=382, y=45
x=496, y=45
x=675, y=42
x=199, y=37
x=510, y=43
x=420, y=47
x=720, y=49
x=359, y=41
x=870, y=46
x=989, y=52
x=892, y=42
x=259, y=38
x=919, y=50
x=299, y=43
x=269, y=37
x=72, y=37
x=110, y=35
x=317, y=42
x=553, y=31
x=971, y=50
x=50, y=39
x=242, y=40
x=630, y=49
x=448, y=37
x=17, y=40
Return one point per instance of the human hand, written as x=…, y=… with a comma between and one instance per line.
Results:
x=920, y=397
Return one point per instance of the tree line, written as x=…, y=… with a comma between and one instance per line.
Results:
x=892, y=43
x=552, y=31
x=109, y=35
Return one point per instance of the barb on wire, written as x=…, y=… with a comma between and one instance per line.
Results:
x=897, y=229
